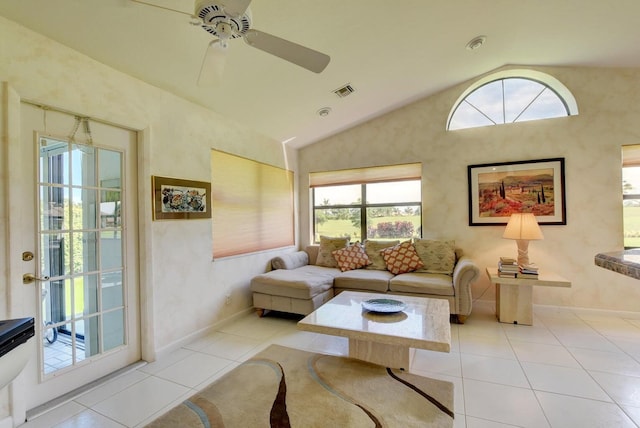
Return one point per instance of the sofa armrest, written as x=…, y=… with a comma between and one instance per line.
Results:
x=312, y=250
x=290, y=260
x=464, y=273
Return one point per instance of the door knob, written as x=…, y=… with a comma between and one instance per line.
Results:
x=28, y=278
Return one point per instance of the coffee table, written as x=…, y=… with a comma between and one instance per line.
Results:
x=384, y=339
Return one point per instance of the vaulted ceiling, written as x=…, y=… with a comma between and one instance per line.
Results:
x=391, y=52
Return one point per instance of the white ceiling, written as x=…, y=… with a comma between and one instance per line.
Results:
x=391, y=52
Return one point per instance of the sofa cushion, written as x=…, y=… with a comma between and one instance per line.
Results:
x=422, y=283
x=351, y=257
x=401, y=258
x=437, y=256
x=290, y=260
x=364, y=279
x=301, y=283
x=373, y=248
x=327, y=246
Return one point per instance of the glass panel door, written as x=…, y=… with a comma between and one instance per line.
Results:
x=81, y=251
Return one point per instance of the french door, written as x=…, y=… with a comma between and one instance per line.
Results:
x=82, y=225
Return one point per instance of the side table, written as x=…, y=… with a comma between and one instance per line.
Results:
x=514, y=296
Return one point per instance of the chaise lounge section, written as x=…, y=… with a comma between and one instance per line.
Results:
x=299, y=284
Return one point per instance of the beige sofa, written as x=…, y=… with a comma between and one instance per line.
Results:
x=296, y=285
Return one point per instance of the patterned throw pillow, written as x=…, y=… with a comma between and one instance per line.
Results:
x=401, y=258
x=373, y=249
x=437, y=256
x=351, y=257
x=327, y=246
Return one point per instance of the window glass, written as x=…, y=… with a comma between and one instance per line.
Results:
x=337, y=222
x=395, y=191
x=631, y=206
x=396, y=222
x=507, y=100
x=488, y=99
x=338, y=195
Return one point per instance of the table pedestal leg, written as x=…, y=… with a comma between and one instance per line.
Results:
x=393, y=356
x=514, y=304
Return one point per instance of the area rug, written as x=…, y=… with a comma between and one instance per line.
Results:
x=282, y=387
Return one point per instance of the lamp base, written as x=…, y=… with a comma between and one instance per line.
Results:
x=523, y=251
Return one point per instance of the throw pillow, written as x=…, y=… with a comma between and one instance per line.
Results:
x=401, y=258
x=327, y=246
x=437, y=256
x=351, y=257
x=373, y=249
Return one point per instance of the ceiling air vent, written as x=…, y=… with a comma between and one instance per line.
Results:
x=344, y=91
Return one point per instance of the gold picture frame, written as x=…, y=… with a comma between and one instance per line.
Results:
x=178, y=199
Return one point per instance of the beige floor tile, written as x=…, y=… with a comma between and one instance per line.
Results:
x=502, y=403
x=564, y=380
x=567, y=411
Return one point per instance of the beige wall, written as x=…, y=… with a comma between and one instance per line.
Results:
x=590, y=143
x=184, y=289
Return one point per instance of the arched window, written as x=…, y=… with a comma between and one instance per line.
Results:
x=511, y=96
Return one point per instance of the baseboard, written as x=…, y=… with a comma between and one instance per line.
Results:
x=579, y=309
x=6, y=422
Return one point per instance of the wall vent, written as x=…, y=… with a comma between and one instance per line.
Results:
x=344, y=91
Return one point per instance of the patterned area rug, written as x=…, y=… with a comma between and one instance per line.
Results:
x=282, y=387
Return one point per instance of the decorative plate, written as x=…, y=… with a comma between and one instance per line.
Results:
x=389, y=306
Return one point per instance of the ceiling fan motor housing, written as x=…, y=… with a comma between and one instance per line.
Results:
x=217, y=22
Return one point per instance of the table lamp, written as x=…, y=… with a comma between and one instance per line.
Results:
x=523, y=227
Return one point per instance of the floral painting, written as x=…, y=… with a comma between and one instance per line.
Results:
x=181, y=199
x=498, y=190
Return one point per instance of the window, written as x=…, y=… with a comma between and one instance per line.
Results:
x=252, y=205
x=368, y=203
x=631, y=195
x=509, y=97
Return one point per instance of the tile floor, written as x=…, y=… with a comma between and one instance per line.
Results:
x=573, y=368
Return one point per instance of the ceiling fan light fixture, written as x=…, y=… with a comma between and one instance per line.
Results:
x=215, y=22
x=476, y=43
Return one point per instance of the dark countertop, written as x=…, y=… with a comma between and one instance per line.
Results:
x=626, y=262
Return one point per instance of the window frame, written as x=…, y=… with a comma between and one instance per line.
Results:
x=362, y=206
x=551, y=83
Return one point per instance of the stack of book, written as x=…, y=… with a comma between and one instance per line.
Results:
x=528, y=271
x=508, y=267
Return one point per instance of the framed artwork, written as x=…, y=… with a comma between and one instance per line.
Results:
x=175, y=199
x=498, y=190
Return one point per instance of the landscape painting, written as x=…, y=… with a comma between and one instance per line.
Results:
x=498, y=190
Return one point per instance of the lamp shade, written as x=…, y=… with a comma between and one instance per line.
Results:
x=523, y=226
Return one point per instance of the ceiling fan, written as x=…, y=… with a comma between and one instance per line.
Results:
x=231, y=19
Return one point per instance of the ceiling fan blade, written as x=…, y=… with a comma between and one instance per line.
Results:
x=235, y=8
x=297, y=54
x=213, y=63
x=159, y=6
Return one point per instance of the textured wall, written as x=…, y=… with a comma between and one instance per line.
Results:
x=590, y=143
x=185, y=288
